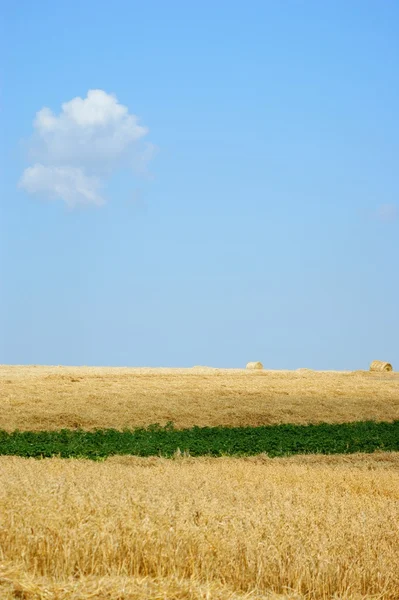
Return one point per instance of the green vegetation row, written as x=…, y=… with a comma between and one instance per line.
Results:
x=273, y=440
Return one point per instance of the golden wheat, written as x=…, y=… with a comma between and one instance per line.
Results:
x=15, y=583
x=33, y=398
x=303, y=527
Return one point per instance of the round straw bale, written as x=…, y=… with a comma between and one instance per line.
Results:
x=380, y=365
x=254, y=365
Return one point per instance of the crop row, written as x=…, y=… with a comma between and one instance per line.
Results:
x=273, y=440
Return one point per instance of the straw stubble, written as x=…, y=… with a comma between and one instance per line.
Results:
x=40, y=398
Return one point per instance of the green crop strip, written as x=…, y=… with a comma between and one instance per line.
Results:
x=273, y=440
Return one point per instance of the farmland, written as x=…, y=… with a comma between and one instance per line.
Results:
x=51, y=398
x=197, y=528
x=272, y=440
x=198, y=525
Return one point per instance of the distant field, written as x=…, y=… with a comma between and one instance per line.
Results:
x=49, y=398
x=190, y=529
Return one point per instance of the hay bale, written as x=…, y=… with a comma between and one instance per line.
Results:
x=380, y=365
x=254, y=365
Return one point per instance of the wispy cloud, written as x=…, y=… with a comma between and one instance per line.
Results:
x=75, y=152
x=387, y=212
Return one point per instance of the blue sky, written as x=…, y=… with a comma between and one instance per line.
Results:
x=226, y=189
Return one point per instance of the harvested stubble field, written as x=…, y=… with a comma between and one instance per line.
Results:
x=129, y=528
x=49, y=398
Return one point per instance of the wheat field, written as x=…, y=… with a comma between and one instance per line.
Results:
x=34, y=398
x=128, y=528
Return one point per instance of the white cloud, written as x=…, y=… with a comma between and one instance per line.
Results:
x=77, y=150
x=68, y=183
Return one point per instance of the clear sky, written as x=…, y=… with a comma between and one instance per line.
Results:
x=187, y=183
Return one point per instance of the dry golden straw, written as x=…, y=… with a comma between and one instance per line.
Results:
x=254, y=365
x=379, y=365
x=303, y=528
x=34, y=398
